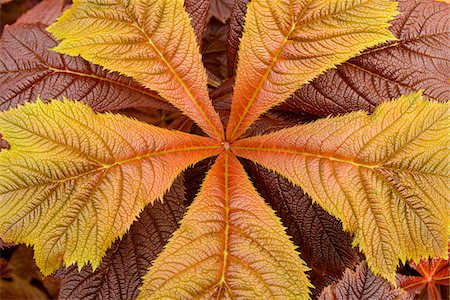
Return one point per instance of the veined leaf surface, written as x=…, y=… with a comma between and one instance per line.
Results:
x=419, y=59
x=287, y=43
x=120, y=273
x=198, y=10
x=434, y=275
x=230, y=245
x=73, y=180
x=384, y=175
x=153, y=42
x=362, y=284
x=318, y=234
x=28, y=69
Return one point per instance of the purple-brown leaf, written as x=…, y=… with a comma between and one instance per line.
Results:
x=362, y=285
x=319, y=235
x=419, y=59
x=198, y=10
x=221, y=10
x=214, y=47
x=28, y=69
x=237, y=20
x=119, y=275
x=44, y=12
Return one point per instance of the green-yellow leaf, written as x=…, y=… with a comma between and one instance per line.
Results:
x=74, y=180
x=384, y=175
x=287, y=43
x=151, y=41
x=230, y=246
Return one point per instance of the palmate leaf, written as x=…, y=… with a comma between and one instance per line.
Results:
x=419, y=59
x=362, y=285
x=119, y=276
x=287, y=43
x=73, y=180
x=385, y=175
x=434, y=272
x=153, y=42
x=230, y=245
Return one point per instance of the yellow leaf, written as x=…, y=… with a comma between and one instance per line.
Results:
x=384, y=175
x=230, y=246
x=73, y=180
x=287, y=43
x=153, y=42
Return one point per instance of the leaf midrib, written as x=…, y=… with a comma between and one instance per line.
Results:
x=47, y=66
x=139, y=157
x=174, y=73
x=105, y=167
x=222, y=281
x=331, y=158
x=262, y=81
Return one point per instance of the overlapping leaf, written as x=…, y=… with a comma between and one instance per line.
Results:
x=385, y=175
x=44, y=12
x=21, y=279
x=29, y=69
x=221, y=9
x=320, y=237
x=323, y=244
x=73, y=180
x=153, y=43
x=119, y=274
x=230, y=245
x=434, y=273
x=419, y=59
x=214, y=55
x=362, y=284
x=5, y=244
x=234, y=35
x=198, y=10
x=287, y=43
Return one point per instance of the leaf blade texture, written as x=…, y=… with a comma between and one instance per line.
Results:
x=235, y=33
x=288, y=43
x=154, y=43
x=28, y=69
x=382, y=175
x=119, y=276
x=239, y=249
x=417, y=60
x=198, y=10
x=318, y=234
x=362, y=284
x=74, y=180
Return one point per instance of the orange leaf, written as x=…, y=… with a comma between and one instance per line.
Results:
x=74, y=180
x=153, y=42
x=384, y=175
x=230, y=245
x=287, y=43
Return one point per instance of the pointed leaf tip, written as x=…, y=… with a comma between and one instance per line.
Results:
x=230, y=245
x=154, y=43
x=74, y=180
x=287, y=43
x=384, y=175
